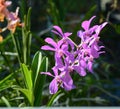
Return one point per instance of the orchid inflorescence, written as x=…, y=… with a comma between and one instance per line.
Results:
x=12, y=17
x=70, y=57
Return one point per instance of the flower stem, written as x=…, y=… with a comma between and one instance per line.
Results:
x=16, y=48
x=53, y=98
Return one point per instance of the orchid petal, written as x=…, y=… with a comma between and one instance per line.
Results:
x=64, y=47
x=47, y=47
x=83, y=63
x=89, y=67
x=67, y=34
x=51, y=42
x=8, y=3
x=80, y=70
x=55, y=32
x=94, y=52
x=59, y=43
x=80, y=34
x=67, y=82
x=86, y=24
x=100, y=52
x=100, y=28
x=59, y=30
x=59, y=63
x=83, y=72
x=47, y=73
x=53, y=87
x=55, y=70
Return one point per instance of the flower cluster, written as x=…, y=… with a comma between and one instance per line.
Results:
x=11, y=17
x=70, y=57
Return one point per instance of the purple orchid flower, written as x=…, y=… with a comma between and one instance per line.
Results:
x=88, y=31
x=100, y=27
x=70, y=59
x=86, y=23
x=80, y=67
x=63, y=80
x=59, y=48
x=58, y=31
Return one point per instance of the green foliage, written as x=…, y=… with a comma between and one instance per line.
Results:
x=50, y=103
x=54, y=12
x=6, y=82
x=34, y=87
x=27, y=77
x=36, y=66
x=26, y=38
x=40, y=81
x=6, y=101
x=21, y=83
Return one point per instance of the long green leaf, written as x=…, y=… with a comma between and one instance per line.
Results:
x=27, y=77
x=40, y=82
x=5, y=101
x=26, y=38
x=36, y=63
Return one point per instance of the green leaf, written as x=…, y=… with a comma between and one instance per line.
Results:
x=28, y=94
x=5, y=41
x=23, y=7
x=26, y=38
x=54, y=12
x=38, y=89
x=6, y=82
x=5, y=101
x=27, y=77
x=36, y=63
x=28, y=19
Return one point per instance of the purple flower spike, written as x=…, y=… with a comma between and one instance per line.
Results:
x=73, y=58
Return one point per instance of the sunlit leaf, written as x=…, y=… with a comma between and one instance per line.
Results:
x=38, y=89
x=27, y=76
x=36, y=63
x=5, y=101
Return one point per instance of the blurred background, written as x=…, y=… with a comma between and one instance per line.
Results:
x=102, y=88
